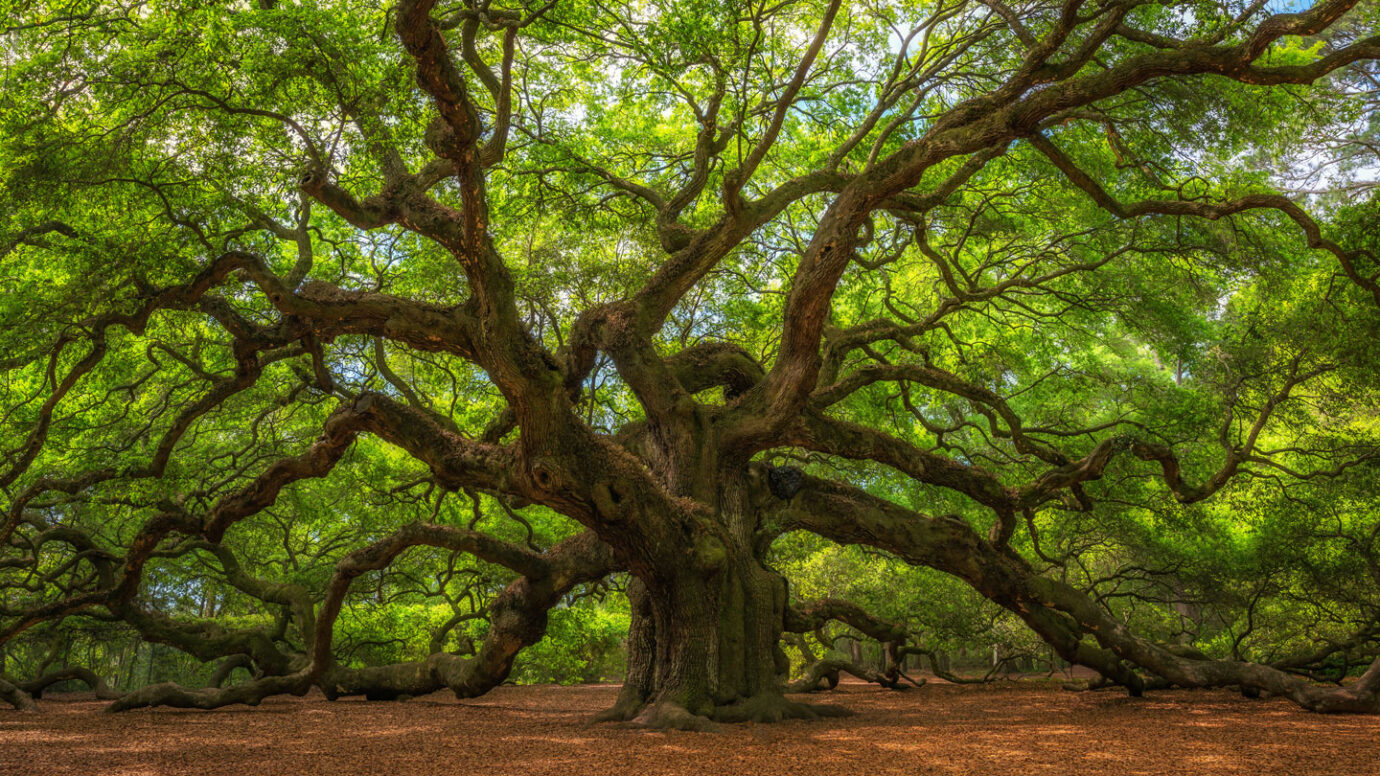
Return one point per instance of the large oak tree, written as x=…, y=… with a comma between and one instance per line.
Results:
x=931, y=277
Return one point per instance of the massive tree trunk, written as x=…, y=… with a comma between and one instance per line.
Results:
x=707, y=618
x=704, y=646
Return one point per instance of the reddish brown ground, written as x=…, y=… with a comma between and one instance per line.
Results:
x=1003, y=729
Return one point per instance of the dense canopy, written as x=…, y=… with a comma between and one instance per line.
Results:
x=364, y=346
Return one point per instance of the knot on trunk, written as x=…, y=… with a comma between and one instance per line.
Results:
x=546, y=475
x=785, y=481
x=312, y=179
x=608, y=498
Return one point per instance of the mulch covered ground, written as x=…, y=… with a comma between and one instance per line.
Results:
x=1003, y=729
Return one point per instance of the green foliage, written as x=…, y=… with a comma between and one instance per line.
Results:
x=584, y=643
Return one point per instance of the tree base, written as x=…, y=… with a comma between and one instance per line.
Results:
x=630, y=702
x=669, y=715
x=770, y=707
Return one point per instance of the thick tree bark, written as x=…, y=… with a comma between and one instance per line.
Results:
x=704, y=648
x=708, y=616
x=639, y=680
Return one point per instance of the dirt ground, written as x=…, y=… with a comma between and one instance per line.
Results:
x=1000, y=729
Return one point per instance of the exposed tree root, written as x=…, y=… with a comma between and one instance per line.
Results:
x=1102, y=683
x=771, y=707
x=669, y=715
x=16, y=697
x=631, y=700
